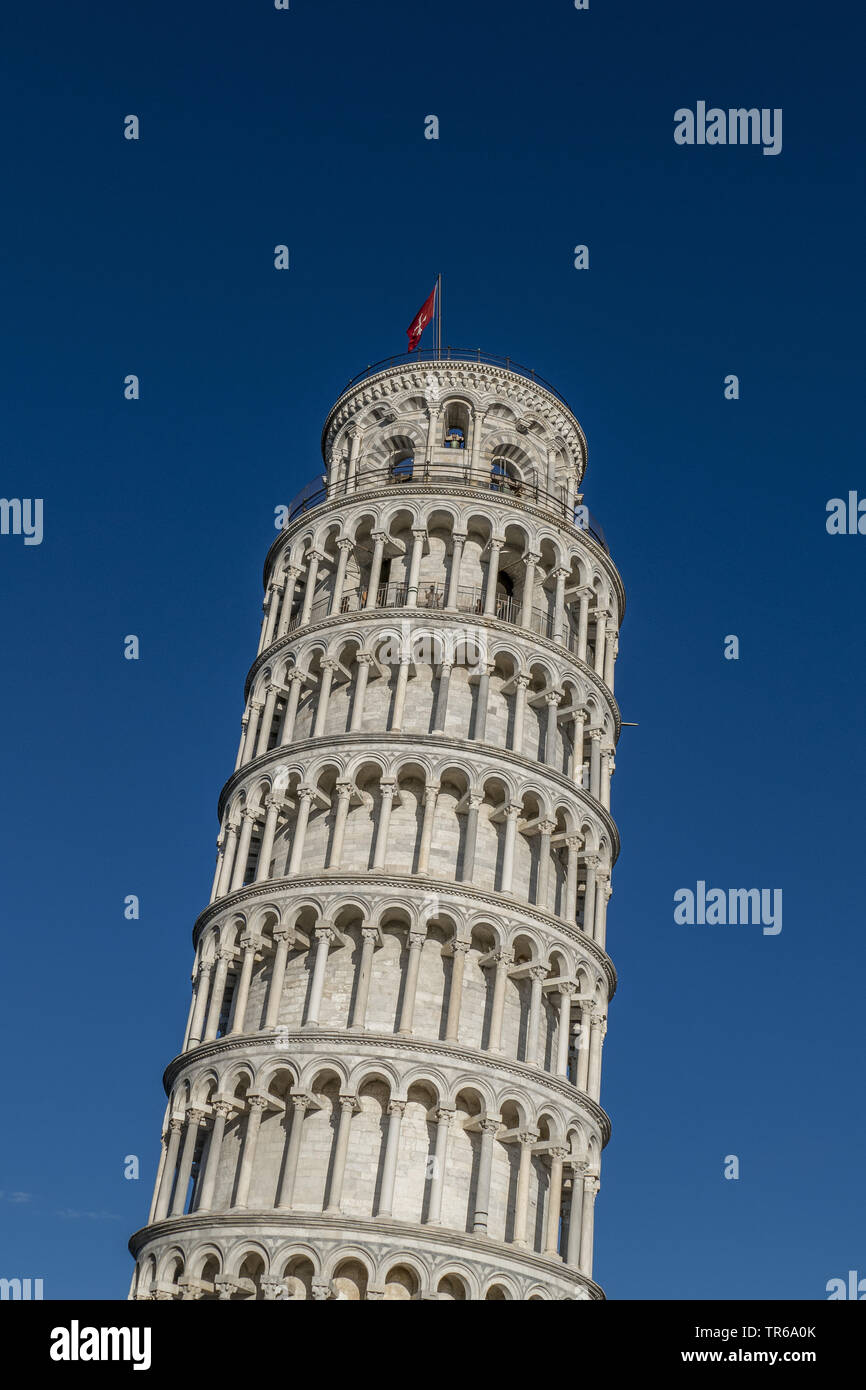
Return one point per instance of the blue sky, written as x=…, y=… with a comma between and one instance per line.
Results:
x=156, y=257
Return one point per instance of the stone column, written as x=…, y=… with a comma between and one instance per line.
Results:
x=597, y=1030
x=249, y=944
x=563, y=1032
x=201, y=1001
x=590, y=1190
x=219, y=865
x=248, y=817
x=396, y=1110
x=313, y=560
x=175, y=1125
x=276, y=590
x=341, y=1149
x=489, y=1127
x=267, y=719
x=441, y=714
x=538, y=974
x=354, y=451
x=431, y=792
x=455, y=994
x=481, y=704
x=606, y=764
x=520, y=686
x=228, y=860
x=419, y=535
x=345, y=547
x=502, y=960
x=387, y=788
x=554, y=1204
x=592, y=862
x=600, y=622
x=444, y=1117
x=329, y=666
x=292, y=574
x=416, y=942
x=293, y=1149
x=305, y=795
x=602, y=898
x=278, y=975
x=582, y=1079
x=344, y=796
x=492, y=576
x=471, y=841
x=551, y=699
x=193, y=1120
x=252, y=731
x=577, y=770
x=610, y=647
x=511, y=814
x=263, y=867
x=575, y=1213
x=432, y=434
x=216, y=997
x=583, y=623
x=369, y=937
x=324, y=937
x=379, y=538
x=296, y=685
x=222, y=1112
x=245, y=719
x=573, y=844
x=400, y=696
x=458, y=540
x=559, y=604
x=542, y=895
x=257, y=1106
x=477, y=419
x=364, y=662
x=530, y=560
x=595, y=763
x=526, y=1138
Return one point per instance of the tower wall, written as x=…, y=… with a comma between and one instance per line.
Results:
x=389, y=1081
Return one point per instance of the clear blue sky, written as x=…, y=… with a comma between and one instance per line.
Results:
x=260, y=127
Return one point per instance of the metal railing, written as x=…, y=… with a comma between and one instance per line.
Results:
x=435, y=596
x=405, y=474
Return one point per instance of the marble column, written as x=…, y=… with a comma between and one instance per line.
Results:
x=492, y=576
x=396, y=1110
x=455, y=993
x=526, y=1138
x=489, y=1128
x=444, y=1116
x=175, y=1125
x=458, y=540
x=413, y=962
x=501, y=961
x=293, y=1148
x=554, y=1202
x=257, y=1104
x=348, y=1105
x=324, y=937
x=222, y=1110
x=193, y=1120
x=379, y=539
x=263, y=867
x=369, y=937
x=305, y=796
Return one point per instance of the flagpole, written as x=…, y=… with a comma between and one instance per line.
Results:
x=439, y=315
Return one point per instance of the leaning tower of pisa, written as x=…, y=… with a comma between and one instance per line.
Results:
x=389, y=1082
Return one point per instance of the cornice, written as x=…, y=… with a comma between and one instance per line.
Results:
x=279, y=1224
x=377, y=615
x=365, y=739
x=320, y=1039
x=497, y=903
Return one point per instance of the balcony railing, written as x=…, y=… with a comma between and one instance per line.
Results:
x=435, y=596
x=405, y=474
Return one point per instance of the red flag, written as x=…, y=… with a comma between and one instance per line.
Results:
x=421, y=320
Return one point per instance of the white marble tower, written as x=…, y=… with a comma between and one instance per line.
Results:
x=389, y=1081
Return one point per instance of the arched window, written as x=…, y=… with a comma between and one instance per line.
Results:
x=402, y=467
x=456, y=425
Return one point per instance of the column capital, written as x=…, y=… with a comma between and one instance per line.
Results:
x=223, y=1108
x=397, y=1107
x=491, y=1124
x=553, y=697
x=346, y=542
x=460, y=947
x=348, y=1104
x=194, y=1116
x=416, y=940
x=546, y=827
x=558, y=1151
x=325, y=934
x=538, y=972
x=300, y=1103
x=528, y=1136
x=370, y=934
x=257, y=1103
